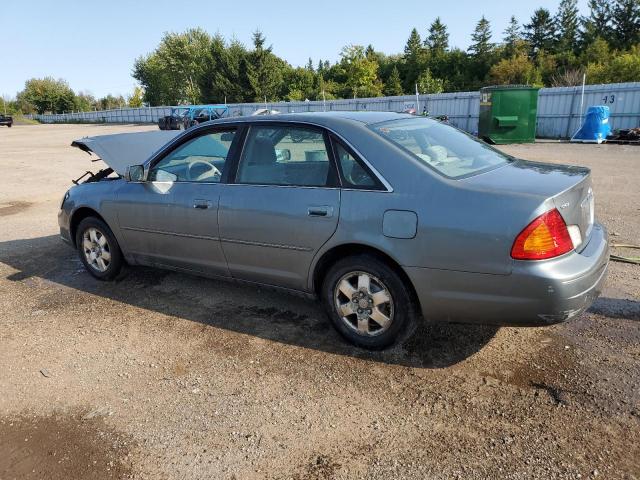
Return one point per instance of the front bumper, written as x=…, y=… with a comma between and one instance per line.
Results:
x=535, y=293
x=65, y=227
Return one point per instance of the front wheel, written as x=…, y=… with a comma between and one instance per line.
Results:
x=367, y=301
x=98, y=249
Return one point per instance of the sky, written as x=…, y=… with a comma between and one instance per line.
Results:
x=93, y=45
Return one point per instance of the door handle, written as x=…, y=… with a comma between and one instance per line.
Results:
x=320, y=211
x=201, y=204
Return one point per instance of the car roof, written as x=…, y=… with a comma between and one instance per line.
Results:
x=322, y=118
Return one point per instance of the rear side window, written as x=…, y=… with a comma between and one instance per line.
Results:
x=296, y=156
x=354, y=173
x=447, y=150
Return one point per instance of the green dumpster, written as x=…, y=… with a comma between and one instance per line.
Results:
x=508, y=114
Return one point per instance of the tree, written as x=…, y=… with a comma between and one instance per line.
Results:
x=438, y=39
x=136, y=98
x=413, y=45
x=427, y=83
x=568, y=22
x=625, y=19
x=518, y=70
x=176, y=72
x=361, y=72
x=481, y=38
x=413, y=53
x=263, y=71
x=300, y=84
x=48, y=95
x=111, y=102
x=621, y=68
x=85, y=102
x=393, y=85
x=598, y=23
x=512, y=33
x=540, y=32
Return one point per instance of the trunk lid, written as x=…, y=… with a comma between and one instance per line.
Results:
x=567, y=188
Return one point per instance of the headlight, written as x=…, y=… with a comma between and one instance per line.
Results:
x=64, y=199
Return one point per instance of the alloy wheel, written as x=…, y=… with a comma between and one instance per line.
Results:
x=96, y=249
x=364, y=303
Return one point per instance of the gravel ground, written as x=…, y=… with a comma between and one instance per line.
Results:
x=163, y=375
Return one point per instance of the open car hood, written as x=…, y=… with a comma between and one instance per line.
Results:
x=121, y=150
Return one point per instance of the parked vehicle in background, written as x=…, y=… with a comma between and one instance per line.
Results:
x=384, y=216
x=6, y=120
x=182, y=118
x=174, y=121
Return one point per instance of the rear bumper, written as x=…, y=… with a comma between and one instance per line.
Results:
x=535, y=293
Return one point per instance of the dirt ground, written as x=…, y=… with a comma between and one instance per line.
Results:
x=162, y=375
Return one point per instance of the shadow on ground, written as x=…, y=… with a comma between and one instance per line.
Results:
x=616, y=308
x=257, y=311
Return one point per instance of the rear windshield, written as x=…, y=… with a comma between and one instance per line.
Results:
x=447, y=150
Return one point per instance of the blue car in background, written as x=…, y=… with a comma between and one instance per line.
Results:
x=185, y=117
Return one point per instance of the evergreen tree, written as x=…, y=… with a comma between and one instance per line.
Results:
x=598, y=23
x=414, y=45
x=263, y=70
x=481, y=38
x=413, y=53
x=541, y=32
x=393, y=85
x=625, y=19
x=310, y=65
x=567, y=21
x=512, y=33
x=370, y=53
x=438, y=39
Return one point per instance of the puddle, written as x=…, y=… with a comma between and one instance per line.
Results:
x=60, y=448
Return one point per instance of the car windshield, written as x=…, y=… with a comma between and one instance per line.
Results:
x=447, y=150
x=180, y=112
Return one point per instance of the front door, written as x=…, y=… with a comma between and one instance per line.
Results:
x=281, y=208
x=172, y=218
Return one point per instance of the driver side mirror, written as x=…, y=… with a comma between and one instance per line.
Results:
x=135, y=173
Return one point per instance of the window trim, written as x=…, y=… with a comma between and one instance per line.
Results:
x=333, y=171
x=190, y=135
x=379, y=186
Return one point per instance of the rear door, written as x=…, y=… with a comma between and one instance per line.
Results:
x=282, y=205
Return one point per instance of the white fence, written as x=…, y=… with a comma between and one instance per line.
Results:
x=558, y=108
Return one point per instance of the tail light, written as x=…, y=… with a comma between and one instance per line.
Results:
x=546, y=237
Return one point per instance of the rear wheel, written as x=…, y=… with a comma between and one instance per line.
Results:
x=367, y=301
x=98, y=249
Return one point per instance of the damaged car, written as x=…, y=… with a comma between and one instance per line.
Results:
x=387, y=218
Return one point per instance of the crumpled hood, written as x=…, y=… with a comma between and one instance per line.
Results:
x=121, y=150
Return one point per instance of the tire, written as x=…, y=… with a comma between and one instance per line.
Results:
x=100, y=238
x=363, y=329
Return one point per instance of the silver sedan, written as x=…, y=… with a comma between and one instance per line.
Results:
x=388, y=218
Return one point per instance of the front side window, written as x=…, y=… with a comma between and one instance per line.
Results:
x=201, y=159
x=275, y=155
x=443, y=148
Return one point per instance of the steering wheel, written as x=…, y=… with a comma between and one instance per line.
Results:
x=200, y=170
